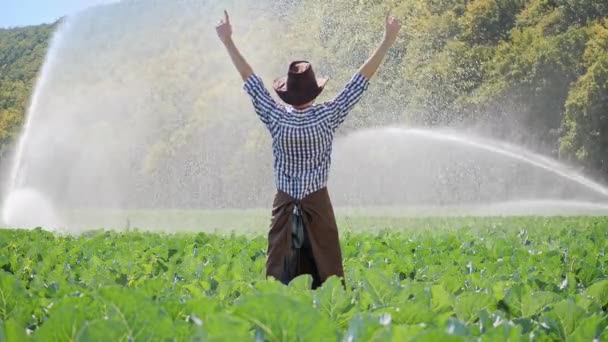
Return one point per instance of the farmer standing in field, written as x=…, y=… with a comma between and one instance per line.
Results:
x=303, y=237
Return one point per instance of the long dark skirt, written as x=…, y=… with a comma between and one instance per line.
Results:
x=307, y=243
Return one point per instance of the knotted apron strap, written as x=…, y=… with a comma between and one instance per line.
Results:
x=297, y=227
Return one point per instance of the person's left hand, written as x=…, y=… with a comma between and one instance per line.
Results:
x=224, y=29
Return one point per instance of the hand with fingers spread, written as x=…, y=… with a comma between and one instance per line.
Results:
x=392, y=27
x=224, y=29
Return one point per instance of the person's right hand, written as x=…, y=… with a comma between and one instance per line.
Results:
x=224, y=29
x=393, y=25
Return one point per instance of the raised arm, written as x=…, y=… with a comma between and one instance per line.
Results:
x=392, y=27
x=224, y=32
x=263, y=103
x=352, y=93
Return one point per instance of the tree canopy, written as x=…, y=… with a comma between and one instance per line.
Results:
x=22, y=51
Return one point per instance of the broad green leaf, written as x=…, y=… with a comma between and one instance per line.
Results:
x=201, y=307
x=11, y=295
x=588, y=303
x=102, y=330
x=570, y=315
x=589, y=329
x=223, y=327
x=367, y=327
x=271, y=286
x=505, y=332
x=524, y=303
x=412, y=313
x=468, y=305
x=288, y=321
x=230, y=290
x=588, y=273
x=551, y=323
x=301, y=283
x=599, y=291
x=406, y=332
x=537, y=302
x=458, y=328
x=11, y=330
x=452, y=283
x=500, y=288
x=485, y=321
x=332, y=300
x=564, y=318
x=440, y=299
x=526, y=324
x=66, y=322
x=435, y=335
x=142, y=318
x=297, y=289
x=379, y=289
x=572, y=282
x=516, y=298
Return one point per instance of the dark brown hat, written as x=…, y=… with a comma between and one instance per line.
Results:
x=300, y=86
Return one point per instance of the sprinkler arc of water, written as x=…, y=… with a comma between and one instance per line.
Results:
x=489, y=145
x=13, y=180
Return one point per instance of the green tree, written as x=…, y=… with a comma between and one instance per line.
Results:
x=490, y=21
x=585, y=137
x=582, y=11
x=22, y=52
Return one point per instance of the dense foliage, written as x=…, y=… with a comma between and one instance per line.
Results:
x=448, y=280
x=22, y=51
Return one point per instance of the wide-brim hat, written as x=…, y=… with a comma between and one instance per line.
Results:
x=300, y=86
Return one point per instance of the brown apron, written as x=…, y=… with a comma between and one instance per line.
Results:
x=321, y=256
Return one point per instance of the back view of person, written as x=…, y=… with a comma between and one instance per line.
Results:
x=303, y=236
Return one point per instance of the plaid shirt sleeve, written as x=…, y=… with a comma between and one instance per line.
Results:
x=347, y=99
x=265, y=106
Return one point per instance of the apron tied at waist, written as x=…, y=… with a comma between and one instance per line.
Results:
x=317, y=228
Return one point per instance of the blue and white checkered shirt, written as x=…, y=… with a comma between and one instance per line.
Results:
x=302, y=139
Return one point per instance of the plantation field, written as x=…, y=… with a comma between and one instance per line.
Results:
x=256, y=221
x=435, y=279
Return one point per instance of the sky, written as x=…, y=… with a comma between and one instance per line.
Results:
x=33, y=12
